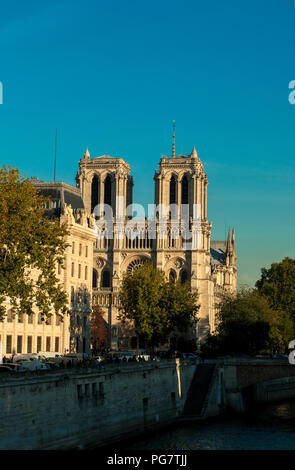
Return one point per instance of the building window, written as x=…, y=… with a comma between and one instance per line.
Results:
x=94, y=192
x=108, y=191
x=173, y=190
x=94, y=279
x=57, y=320
x=72, y=294
x=73, y=269
x=20, y=318
x=183, y=277
x=80, y=249
x=86, y=272
x=8, y=343
x=48, y=321
x=39, y=319
x=184, y=190
x=57, y=344
x=48, y=343
x=30, y=318
x=19, y=347
x=106, y=278
x=73, y=248
x=172, y=276
x=79, y=271
x=86, y=251
x=29, y=344
x=39, y=343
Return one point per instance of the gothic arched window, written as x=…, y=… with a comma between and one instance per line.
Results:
x=106, y=278
x=173, y=190
x=94, y=279
x=172, y=276
x=184, y=190
x=94, y=192
x=108, y=191
x=183, y=276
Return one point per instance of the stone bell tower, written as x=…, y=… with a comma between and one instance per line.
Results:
x=181, y=211
x=105, y=180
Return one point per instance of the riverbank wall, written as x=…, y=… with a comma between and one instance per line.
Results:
x=90, y=408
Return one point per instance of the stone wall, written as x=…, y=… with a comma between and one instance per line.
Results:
x=240, y=375
x=67, y=409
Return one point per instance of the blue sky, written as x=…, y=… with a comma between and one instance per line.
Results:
x=113, y=75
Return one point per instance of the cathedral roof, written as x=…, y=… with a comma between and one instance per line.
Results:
x=218, y=252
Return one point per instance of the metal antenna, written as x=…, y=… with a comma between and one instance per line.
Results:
x=173, y=144
x=55, y=156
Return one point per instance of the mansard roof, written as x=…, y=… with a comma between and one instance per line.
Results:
x=60, y=193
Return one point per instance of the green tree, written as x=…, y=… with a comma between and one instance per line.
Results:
x=278, y=284
x=154, y=306
x=248, y=324
x=30, y=248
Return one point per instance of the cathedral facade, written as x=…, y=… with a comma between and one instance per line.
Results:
x=175, y=237
x=105, y=241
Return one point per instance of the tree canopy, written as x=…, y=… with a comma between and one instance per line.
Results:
x=31, y=246
x=278, y=284
x=248, y=324
x=156, y=307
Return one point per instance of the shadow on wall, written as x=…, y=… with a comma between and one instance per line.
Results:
x=80, y=320
x=100, y=331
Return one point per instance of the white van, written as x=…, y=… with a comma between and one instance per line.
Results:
x=27, y=357
x=48, y=354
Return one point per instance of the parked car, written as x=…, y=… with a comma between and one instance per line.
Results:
x=35, y=365
x=121, y=354
x=187, y=356
x=48, y=354
x=52, y=364
x=71, y=358
x=29, y=357
x=15, y=367
x=280, y=356
x=77, y=356
x=26, y=357
x=6, y=369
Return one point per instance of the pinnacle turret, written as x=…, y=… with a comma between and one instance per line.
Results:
x=194, y=153
x=87, y=154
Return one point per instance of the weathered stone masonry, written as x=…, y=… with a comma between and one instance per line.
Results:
x=66, y=409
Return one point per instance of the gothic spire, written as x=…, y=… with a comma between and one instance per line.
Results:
x=87, y=154
x=194, y=153
x=228, y=243
x=234, y=244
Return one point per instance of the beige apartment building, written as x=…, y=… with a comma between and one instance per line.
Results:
x=29, y=334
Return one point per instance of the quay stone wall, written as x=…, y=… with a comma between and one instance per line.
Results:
x=89, y=408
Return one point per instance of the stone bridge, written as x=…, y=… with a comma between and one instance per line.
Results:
x=245, y=382
x=236, y=384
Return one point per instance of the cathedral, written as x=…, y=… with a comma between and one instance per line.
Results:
x=176, y=236
x=105, y=240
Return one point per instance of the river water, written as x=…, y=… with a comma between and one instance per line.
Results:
x=269, y=427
